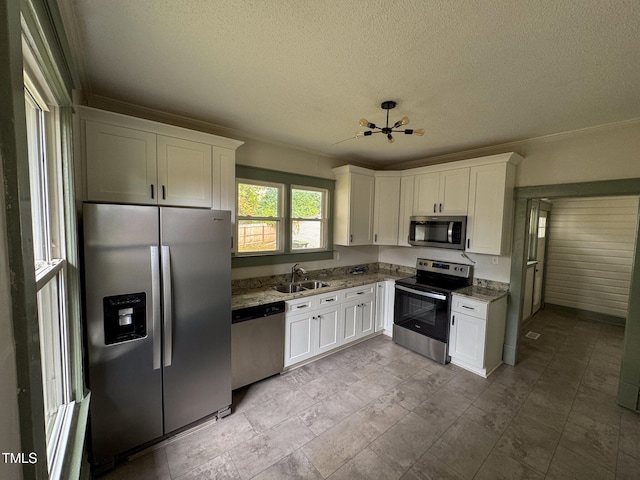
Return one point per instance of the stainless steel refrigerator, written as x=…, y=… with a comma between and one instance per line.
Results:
x=158, y=321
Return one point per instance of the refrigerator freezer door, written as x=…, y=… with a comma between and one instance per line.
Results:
x=126, y=401
x=197, y=377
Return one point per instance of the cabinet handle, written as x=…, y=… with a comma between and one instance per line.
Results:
x=152, y=190
x=375, y=237
x=468, y=242
x=467, y=307
x=330, y=300
x=440, y=208
x=302, y=306
x=453, y=320
x=163, y=193
x=434, y=208
x=350, y=238
x=360, y=293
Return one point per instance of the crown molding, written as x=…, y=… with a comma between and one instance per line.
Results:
x=518, y=146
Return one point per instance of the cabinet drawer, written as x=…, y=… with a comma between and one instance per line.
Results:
x=300, y=305
x=357, y=292
x=328, y=299
x=468, y=306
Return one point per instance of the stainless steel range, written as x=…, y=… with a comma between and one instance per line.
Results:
x=423, y=305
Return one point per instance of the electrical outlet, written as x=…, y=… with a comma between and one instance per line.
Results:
x=495, y=260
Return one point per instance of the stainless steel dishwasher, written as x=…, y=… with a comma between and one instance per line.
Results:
x=257, y=343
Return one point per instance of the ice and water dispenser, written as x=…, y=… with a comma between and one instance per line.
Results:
x=124, y=317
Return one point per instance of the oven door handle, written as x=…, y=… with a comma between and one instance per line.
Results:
x=437, y=296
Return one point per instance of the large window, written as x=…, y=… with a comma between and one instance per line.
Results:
x=281, y=214
x=47, y=221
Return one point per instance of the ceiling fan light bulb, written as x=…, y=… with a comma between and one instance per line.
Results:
x=419, y=131
x=390, y=138
x=359, y=134
x=404, y=120
x=364, y=122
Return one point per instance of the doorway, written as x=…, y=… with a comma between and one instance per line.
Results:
x=629, y=386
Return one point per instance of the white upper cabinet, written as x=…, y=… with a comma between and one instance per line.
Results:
x=489, y=219
x=386, y=210
x=131, y=160
x=354, y=203
x=184, y=173
x=406, y=209
x=441, y=193
x=121, y=164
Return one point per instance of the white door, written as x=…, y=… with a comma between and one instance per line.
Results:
x=539, y=268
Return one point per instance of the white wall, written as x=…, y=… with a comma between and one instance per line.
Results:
x=590, y=253
x=483, y=268
x=602, y=153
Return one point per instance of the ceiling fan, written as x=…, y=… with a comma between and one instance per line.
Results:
x=388, y=130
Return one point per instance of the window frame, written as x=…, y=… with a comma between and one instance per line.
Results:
x=323, y=220
x=59, y=442
x=280, y=219
x=248, y=174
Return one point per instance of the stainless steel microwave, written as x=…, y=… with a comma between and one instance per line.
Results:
x=441, y=232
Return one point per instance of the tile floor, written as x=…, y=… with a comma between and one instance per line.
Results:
x=379, y=411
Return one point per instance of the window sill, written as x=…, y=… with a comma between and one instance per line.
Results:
x=274, y=259
x=69, y=457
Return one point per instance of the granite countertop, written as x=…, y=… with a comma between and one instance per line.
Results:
x=482, y=294
x=339, y=281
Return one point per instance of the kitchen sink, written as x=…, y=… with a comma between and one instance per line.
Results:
x=300, y=286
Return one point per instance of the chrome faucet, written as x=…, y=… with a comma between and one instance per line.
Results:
x=297, y=270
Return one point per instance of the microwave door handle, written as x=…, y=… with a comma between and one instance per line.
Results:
x=437, y=296
x=450, y=233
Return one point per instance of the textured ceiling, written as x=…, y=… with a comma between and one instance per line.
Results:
x=471, y=73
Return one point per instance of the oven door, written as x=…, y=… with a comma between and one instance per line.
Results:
x=426, y=313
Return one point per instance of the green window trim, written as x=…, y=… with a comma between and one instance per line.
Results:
x=288, y=180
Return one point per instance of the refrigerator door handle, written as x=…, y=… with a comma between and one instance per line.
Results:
x=155, y=306
x=168, y=307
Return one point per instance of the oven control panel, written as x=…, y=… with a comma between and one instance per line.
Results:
x=447, y=268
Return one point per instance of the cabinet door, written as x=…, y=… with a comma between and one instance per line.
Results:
x=350, y=314
x=386, y=211
x=406, y=209
x=426, y=193
x=366, y=322
x=184, y=173
x=121, y=164
x=298, y=338
x=361, y=209
x=328, y=329
x=381, y=293
x=454, y=192
x=467, y=339
x=486, y=209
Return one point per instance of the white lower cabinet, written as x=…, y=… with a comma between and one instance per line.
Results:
x=476, y=334
x=321, y=323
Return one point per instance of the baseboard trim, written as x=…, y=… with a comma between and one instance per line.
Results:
x=595, y=316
